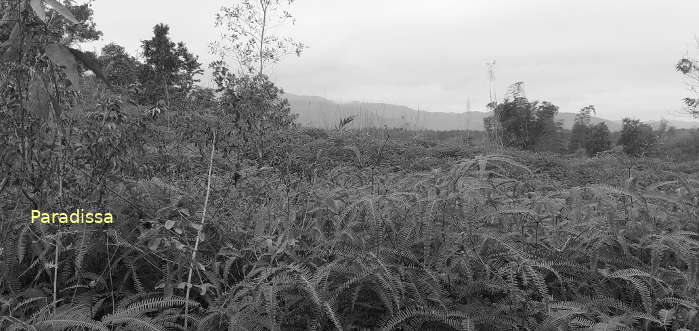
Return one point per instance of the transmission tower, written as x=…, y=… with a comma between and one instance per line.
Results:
x=493, y=103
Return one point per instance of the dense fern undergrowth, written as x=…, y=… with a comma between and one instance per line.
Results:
x=342, y=230
x=228, y=216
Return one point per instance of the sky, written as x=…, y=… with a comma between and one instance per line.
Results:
x=617, y=55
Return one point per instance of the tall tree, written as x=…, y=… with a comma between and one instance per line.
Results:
x=598, y=139
x=637, y=138
x=581, y=128
x=189, y=69
x=120, y=68
x=251, y=36
x=168, y=67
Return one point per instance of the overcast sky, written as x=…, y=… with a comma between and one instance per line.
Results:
x=617, y=55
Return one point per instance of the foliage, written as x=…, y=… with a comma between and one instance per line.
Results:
x=637, y=138
x=255, y=106
x=598, y=140
x=681, y=145
x=168, y=66
x=60, y=27
x=584, y=135
x=486, y=243
x=250, y=35
x=581, y=128
x=523, y=123
x=689, y=67
x=273, y=228
x=202, y=97
x=120, y=68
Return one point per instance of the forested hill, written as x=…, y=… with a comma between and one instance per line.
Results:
x=319, y=112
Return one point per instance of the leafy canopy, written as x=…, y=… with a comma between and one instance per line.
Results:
x=169, y=66
x=637, y=138
x=522, y=123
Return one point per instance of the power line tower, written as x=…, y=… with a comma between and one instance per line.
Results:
x=496, y=127
x=491, y=81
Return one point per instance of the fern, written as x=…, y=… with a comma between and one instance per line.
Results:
x=402, y=316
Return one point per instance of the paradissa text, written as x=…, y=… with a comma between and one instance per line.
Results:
x=77, y=217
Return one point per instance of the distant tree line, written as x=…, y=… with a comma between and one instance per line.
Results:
x=530, y=125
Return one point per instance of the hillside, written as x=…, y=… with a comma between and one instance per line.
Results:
x=315, y=111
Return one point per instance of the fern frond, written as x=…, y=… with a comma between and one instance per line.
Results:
x=428, y=314
x=63, y=324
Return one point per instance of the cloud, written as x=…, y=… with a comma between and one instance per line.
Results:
x=618, y=55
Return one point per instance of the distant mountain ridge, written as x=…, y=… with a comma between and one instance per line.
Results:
x=319, y=112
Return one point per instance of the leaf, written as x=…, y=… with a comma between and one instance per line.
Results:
x=61, y=9
x=11, y=53
x=39, y=99
x=57, y=108
x=14, y=36
x=61, y=55
x=39, y=9
x=154, y=244
x=260, y=220
x=8, y=17
x=357, y=153
x=22, y=244
x=666, y=316
x=178, y=244
x=91, y=64
x=169, y=224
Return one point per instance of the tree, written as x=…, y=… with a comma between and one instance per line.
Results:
x=83, y=29
x=168, y=67
x=690, y=69
x=598, y=139
x=189, y=69
x=637, y=138
x=523, y=123
x=249, y=35
x=256, y=107
x=581, y=128
x=120, y=68
x=592, y=138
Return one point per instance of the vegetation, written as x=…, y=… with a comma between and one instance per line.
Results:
x=251, y=36
x=523, y=124
x=228, y=216
x=168, y=66
x=689, y=67
x=592, y=138
x=599, y=139
x=120, y=68
x=637, y=138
